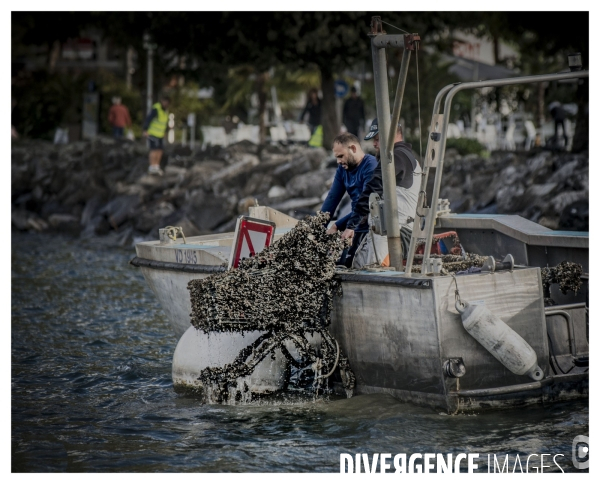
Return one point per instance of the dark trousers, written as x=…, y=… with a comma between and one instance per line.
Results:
x=118, y=132
x=348, y=254
x=353, y=128
x=557, y=123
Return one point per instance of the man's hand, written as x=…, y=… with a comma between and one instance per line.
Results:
x=332, y=230
x=347, y=234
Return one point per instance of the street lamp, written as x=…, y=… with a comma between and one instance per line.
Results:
x=150, y=47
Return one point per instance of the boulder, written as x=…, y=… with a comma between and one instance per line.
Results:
x=209, y=211
x=258, y=183
x=311, y=184
x=152, y=216
x=24, y=220
x=510, y=198
x=575, y=216
x=277, y=192
x=121, y=208
x=284, y=173
x=296, y=203
x=65, y=223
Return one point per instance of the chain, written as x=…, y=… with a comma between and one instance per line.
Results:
x=457, y=299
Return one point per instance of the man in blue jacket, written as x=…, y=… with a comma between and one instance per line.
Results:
x=355, y=169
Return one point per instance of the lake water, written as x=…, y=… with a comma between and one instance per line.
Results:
x=91, y=391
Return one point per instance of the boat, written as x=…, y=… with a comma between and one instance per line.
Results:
x=499, y=337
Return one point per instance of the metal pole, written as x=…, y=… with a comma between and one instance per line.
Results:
x=149, y=80
x=444, y=129
x=390, y=208
x=424, y=177
x=398, y=99
x=129, y=67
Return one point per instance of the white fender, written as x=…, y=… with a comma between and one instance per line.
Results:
x=500, y=340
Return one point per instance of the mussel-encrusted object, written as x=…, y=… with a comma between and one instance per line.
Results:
x=566, y=274
x=285, y=291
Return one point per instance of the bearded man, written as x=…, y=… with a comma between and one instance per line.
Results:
x=355, y=169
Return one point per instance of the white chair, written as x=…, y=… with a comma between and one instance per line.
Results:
x=278, y=134
x=453, y=131
x=214, y=136
x=248, y=132
x=300, y=133
x=490, y=137
x=531, y=134
x=508, y=142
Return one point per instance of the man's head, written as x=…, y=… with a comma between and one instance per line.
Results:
x=347, y=150
x=374, y=134
x=165, y=101
x=353, y=93
x=116, y=100
x=313, y=95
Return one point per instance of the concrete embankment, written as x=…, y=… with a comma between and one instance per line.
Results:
x=102, y=189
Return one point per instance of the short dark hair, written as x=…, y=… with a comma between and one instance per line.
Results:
x=353, y=89
x=346, y=139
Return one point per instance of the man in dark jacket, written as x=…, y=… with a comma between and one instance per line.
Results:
x=354, y=171
x=559, y=115
x=354, y=112
x=407, y=170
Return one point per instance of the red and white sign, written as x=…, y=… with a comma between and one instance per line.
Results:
x=250, y=237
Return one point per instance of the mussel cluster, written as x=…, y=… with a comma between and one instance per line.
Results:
x=566, y=274
x=285, y=291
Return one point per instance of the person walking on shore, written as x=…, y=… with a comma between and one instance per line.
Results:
x=354, y=112
x=155, y=126
x=313, y=108
x=118, y=117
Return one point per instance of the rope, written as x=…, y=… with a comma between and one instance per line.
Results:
x=337, y=358
x=401, y=30
x=172, y=233
x=457, y=299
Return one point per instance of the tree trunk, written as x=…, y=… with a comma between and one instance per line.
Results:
x=541, y=103
x=329, y=118
x=262, y=106
x=53, y=54
x=581, y=140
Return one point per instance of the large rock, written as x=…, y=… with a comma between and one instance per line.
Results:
x=258, y=183
x=311, y=184
x=121, y=209
x=25, y=220
x=284, y=173
x=152, y=216
x=207, y=210
x=575, y=216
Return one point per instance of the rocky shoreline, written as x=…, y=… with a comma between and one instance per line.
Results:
x=101, y=189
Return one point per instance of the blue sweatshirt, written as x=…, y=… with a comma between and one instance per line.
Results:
x=351, y=181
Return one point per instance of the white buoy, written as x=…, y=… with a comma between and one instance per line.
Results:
x=500, y=340
x=197, y=350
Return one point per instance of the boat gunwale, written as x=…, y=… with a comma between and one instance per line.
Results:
x=401, y=280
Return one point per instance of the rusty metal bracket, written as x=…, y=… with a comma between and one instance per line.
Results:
x=376, y=26
x=412, y=41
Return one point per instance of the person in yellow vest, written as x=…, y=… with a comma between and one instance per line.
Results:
x=155, y=126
